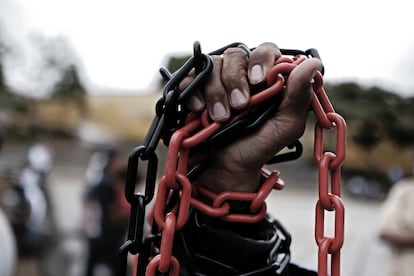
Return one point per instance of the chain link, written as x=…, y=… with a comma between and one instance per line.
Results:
x=329, y=164
x=183, y=131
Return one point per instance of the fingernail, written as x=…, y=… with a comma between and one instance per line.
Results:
x=219, y=111
x=312, y=78
x=237, y=98
x=313, y=75
x=196, y=103
x=256, y=74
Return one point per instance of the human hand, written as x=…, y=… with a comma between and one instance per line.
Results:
x=237, y=166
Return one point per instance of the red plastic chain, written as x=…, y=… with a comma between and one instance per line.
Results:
x=198, y=128
x=220, y=207
x=329, y=164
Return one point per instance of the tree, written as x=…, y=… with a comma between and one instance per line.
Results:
x=70, y=87
x=47, y=68
x=380, y=114
x=8, y=99
x=41, y=63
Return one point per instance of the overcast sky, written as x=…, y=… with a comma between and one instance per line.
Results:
x=122, y=43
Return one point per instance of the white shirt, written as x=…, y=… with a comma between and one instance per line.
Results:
x=7, y=246
x=398, y=212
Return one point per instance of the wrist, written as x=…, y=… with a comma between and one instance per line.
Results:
x=219, y=180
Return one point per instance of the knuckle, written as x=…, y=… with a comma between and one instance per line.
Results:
x=234, y=76
x=235, y=51
x=216, y=58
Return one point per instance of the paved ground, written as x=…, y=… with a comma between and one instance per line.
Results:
x=362, y=254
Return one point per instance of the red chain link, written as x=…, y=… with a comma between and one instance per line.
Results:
x=220, y=207
x=198, y=127
x=328, y=163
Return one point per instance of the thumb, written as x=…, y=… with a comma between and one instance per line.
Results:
x=298, y=92
x=294, y=108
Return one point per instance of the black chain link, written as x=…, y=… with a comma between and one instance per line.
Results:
x=170, y=115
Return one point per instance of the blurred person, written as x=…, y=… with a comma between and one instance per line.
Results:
x=40, y=158
x=30, y=233
x=397, y=227
x=106, y=217
x=8, y=243
x=27, y=202
x=8, y=248
x=96, y=165
x=40, y=161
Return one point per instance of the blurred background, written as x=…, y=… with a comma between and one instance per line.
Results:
x=78, y=85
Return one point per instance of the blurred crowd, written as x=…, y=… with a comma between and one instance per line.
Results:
x=28, y=227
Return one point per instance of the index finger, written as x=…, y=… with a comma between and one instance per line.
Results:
x=261, y=60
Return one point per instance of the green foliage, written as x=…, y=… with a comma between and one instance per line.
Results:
x=377, y=113
x=70, y=87
x=174, y=63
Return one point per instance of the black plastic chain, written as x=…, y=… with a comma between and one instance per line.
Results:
x=170, y=115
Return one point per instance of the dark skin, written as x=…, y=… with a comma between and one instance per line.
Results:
x=237, y=166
